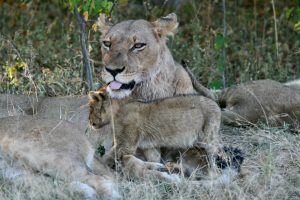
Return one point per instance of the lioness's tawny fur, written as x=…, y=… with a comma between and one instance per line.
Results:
x=57, y=149
x=266, y=100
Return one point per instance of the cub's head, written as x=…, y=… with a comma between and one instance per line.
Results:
x=132, y=51
x=99, y=104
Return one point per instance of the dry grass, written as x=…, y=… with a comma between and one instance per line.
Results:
x=271, y=171
x=27, y=185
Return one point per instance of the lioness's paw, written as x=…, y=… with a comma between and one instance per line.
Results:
x=162, y=169
x=109, y=161
x=173, y=178
x=156, y=166
x=88, y=191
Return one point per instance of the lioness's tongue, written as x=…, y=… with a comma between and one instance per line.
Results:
x=115, y=85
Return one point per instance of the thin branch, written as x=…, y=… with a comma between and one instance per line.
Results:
x=225, y=37
x=12, y=45
x=83, y=42
x=275, y=28
x=112, y=7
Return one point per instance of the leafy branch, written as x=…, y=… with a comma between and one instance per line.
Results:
x=84, y=10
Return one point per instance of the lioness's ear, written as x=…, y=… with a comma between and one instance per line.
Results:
x=166, y=25
x=95, y=96
x=103, y=24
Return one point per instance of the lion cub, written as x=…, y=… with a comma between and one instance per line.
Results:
x=179, y=122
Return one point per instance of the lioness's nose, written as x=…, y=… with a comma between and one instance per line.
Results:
x=114, y=72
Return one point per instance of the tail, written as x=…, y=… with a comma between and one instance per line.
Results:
x=197, y=85
x=293, y=84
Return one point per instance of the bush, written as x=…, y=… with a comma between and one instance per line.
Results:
x=44, y=37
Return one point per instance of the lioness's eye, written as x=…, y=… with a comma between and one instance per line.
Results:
x=106, y=44
x=138, y=46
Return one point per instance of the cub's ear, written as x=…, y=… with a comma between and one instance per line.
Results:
x=96, y=96
x=166, y=25
x=103, y=24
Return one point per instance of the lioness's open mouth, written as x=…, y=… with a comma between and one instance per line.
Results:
x=115, y=85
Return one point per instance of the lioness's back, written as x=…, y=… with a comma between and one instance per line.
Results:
x=258, y=100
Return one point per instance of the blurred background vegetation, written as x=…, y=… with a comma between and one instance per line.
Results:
x=40, y=50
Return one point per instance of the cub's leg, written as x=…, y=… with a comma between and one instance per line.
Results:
x=138, y=169
x=124, y=145
x=133, y=167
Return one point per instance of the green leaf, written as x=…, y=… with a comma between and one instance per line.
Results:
x=297, y=26
x=216, y=84
x=289, y=12
x=220, y=63
x=100, y=150
x=220, y=42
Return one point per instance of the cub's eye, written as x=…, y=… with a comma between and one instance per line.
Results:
x=139, y=46
x=106, y=44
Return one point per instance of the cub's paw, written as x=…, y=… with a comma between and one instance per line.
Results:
x=109, y=161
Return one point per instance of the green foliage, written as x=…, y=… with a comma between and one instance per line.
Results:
x=44, y=35
x=92, y=7
x=12, y=72
x=293, y=13
x=250, y=42
x=220, y=42
x=100, y=150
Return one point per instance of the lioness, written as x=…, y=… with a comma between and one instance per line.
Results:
x=179, y=122
x=57, y=149
x=266, y=100
x=137, y=62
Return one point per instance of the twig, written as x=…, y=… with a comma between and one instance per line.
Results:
x=225, y=36
x=83, y=42
x=12, y=45
x=276, y=33
x=112, y=7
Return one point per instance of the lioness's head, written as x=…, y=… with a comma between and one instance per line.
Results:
x=99, y=112
x=132, y=51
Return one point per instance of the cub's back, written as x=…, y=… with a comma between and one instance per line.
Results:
x=185, y=103
x=170, y=115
